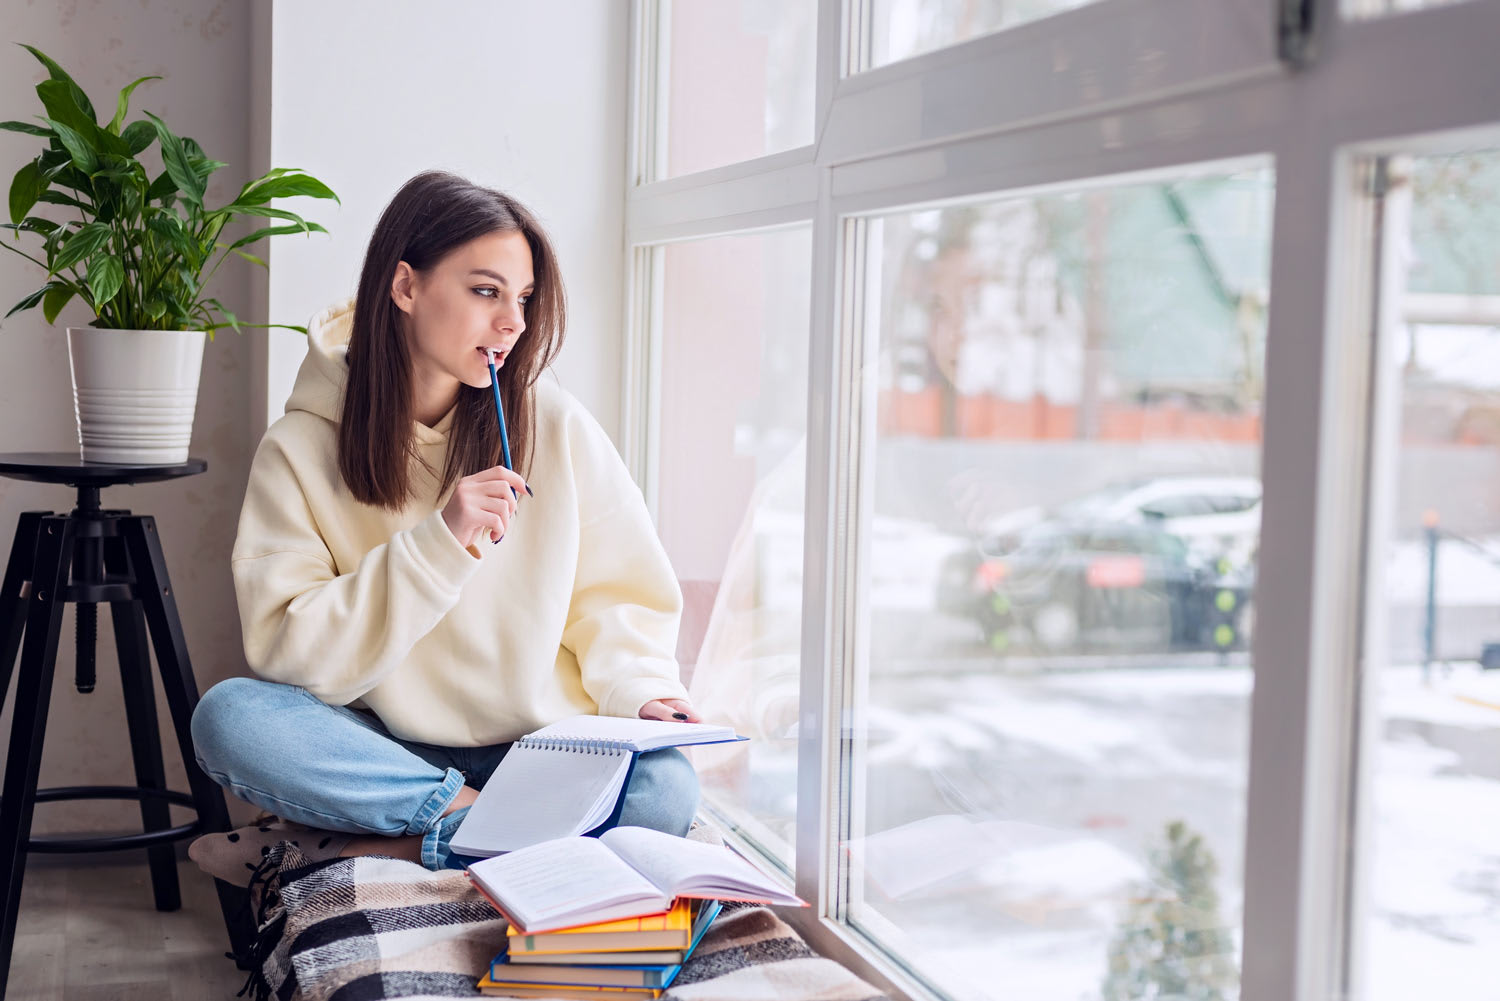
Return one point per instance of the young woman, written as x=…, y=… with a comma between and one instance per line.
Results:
x=409, y=604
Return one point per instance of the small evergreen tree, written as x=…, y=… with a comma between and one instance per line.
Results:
x=1172, y=944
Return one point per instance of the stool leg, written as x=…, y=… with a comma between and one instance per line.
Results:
x=145, y=739
x=12, y=603
x=154, y=589
x=29, y=721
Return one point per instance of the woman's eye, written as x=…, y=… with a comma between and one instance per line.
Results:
x=486, y=292
x=523, y=299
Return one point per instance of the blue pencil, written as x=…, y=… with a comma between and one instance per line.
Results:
x=500, y=413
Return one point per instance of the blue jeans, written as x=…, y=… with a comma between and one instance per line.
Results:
x=339, y=769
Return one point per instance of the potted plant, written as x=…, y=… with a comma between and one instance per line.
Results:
x=139, y=254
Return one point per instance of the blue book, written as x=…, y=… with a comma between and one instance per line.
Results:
x=526, y=970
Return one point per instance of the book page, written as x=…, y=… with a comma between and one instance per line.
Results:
x=562, y=883
x=639, y=734
x=680, y=866
x=537, y=795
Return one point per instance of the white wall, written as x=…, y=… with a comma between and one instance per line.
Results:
x=526, y=97
x=201, y=48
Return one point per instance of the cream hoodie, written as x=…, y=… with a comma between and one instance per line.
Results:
x=575, y=611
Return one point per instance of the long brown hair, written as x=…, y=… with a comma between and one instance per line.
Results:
x=433, y=214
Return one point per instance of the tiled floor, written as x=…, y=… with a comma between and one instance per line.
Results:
x=90, y=932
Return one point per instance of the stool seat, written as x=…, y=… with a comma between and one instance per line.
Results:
x=67, y=467
x=93, y=556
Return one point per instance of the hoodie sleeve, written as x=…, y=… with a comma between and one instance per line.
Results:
x=626, y=605
x=336, y=635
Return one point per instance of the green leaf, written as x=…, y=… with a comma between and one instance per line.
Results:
x=106, y=275
x=31, y=224
x=123, y=104
x=261, y=234
x=61, y=101
x=253, y=259
x=269, y=213
x=58, y=73
x=25, y=189
x=233, y=320
x=112, y=166
x=167, y=226
x=58, y=198
x=31, y=300
x=54, y=301
x=26, y=127
x=273, y=172
x=285, y=186
x=161, y=188
x=80, y=244
x=174, y=156
x=84, y=157
x=53, y=159
x=156, y=308
x=138, y=136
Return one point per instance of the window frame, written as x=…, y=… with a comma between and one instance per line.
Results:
x=887, y=139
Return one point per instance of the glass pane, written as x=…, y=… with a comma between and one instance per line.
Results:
x=1355, y=9
x=739, y=80
x=903, y=28
x=1051, y=736
x=733, y=419
x=1433, y=919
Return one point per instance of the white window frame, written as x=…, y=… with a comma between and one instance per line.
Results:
x=1117, y=91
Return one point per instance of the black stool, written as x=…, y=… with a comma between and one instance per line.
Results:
x=91, y=556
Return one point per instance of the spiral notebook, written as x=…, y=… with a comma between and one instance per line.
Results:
x=567, y=779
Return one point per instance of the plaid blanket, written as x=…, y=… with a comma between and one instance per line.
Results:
x=358, y=929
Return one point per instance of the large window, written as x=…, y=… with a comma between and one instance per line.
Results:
x=1117, y=617
x=1434, y=730
x=1059, y=564
x=729, y=500
x=905, y=28
x=737, y=78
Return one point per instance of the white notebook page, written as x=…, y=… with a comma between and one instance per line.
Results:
x=550, y=883
x=641, y=734
x=537, y=795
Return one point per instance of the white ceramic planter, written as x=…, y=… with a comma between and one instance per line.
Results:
x=134, y=392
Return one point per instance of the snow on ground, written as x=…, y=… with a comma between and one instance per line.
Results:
x=1026, y=906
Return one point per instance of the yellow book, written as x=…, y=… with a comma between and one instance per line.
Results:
x=503, y=989
x=672, y=930
x=626, y=871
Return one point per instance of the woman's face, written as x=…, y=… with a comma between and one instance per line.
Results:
x=470, y=301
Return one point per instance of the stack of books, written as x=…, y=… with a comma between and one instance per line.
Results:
x=609, y=918
x=632, y=959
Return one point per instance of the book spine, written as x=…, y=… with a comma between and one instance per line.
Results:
x=576, y=745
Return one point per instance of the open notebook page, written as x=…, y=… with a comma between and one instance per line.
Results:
x=537, y=795
x=639, y=734
x=691, y=868
x=564, y=883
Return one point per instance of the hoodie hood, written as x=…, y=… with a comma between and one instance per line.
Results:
x=319, y=389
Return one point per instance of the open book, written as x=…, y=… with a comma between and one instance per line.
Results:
x=624, y=872
x=566, y=779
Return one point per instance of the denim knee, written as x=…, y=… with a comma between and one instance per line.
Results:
x=662, y=794
x=225, y=718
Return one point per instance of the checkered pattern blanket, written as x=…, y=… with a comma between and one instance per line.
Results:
x=358, y=929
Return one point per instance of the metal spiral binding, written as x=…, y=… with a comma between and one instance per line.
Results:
x=575, y=745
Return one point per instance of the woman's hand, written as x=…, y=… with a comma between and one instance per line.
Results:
x=482, y=505
x=673, y=710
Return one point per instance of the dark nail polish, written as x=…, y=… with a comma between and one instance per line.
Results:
x=679, y=715
x=496, y=542
x=529, y=493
